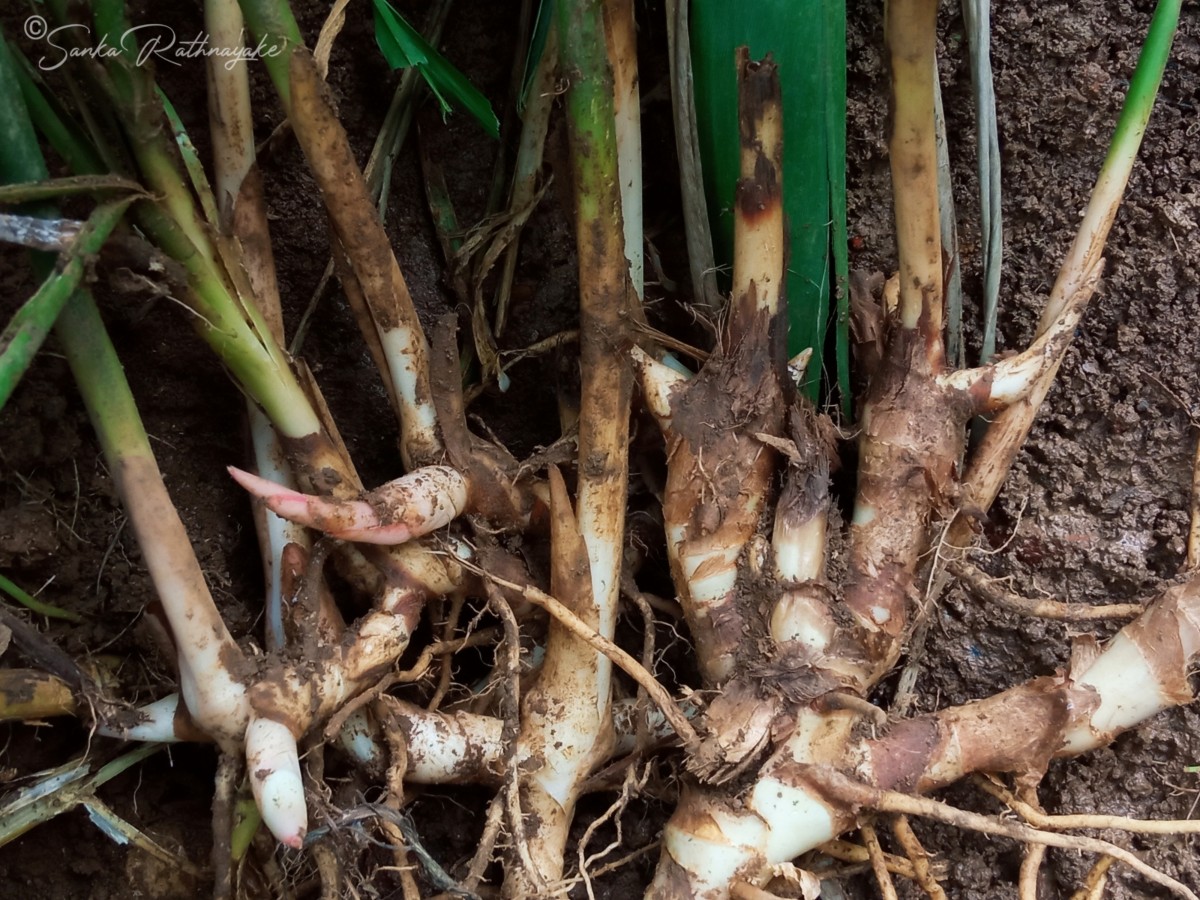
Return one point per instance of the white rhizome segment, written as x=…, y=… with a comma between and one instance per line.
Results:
x=275, y=780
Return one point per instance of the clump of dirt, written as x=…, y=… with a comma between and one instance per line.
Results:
x=1097, y=507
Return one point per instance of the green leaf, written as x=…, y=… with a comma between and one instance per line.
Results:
x=399, y=42
x=191, y=162
x=537, y=46
x=402, y=46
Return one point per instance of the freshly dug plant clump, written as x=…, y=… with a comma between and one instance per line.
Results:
x=772, y=722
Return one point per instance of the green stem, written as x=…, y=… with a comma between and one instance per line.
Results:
x=145, y=119
x=990, y=465
x=271, y=22
x=604, y=291
x=27, y=329
x=191, y=161
x=208, y=656
x=234, y=329
x=574, y=676
x=35, y=605
x=1122, y=152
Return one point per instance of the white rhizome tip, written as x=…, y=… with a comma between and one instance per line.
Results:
x=274, y=766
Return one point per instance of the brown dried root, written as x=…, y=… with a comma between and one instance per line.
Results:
x=329, y=862
x=1193, y=542
x=642, y=739
x=630, y=666
x=1093, y=886
x=630, y=788
x=493, y=824
x=446, y=660
x=859, y=795
x=883, y=877
x=229, y=772
x=413, y=673
x=510, y=669
x=396, y=771
x=795, y=882
x=987, y=588
x=1031, y=867
x=922, y=870
x=845, y=851
x=329, y=868
x=1040, y=819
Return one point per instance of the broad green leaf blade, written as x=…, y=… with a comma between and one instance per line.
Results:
x=799, y=38
x=402, y=46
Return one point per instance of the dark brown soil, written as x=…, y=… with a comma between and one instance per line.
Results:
x=1096, y=508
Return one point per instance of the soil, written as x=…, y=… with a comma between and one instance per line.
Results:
x=1096, y=508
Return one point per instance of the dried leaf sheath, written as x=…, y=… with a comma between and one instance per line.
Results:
x=911, y=35
x=911, y=426
x=357, y=224
x=719, y=472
